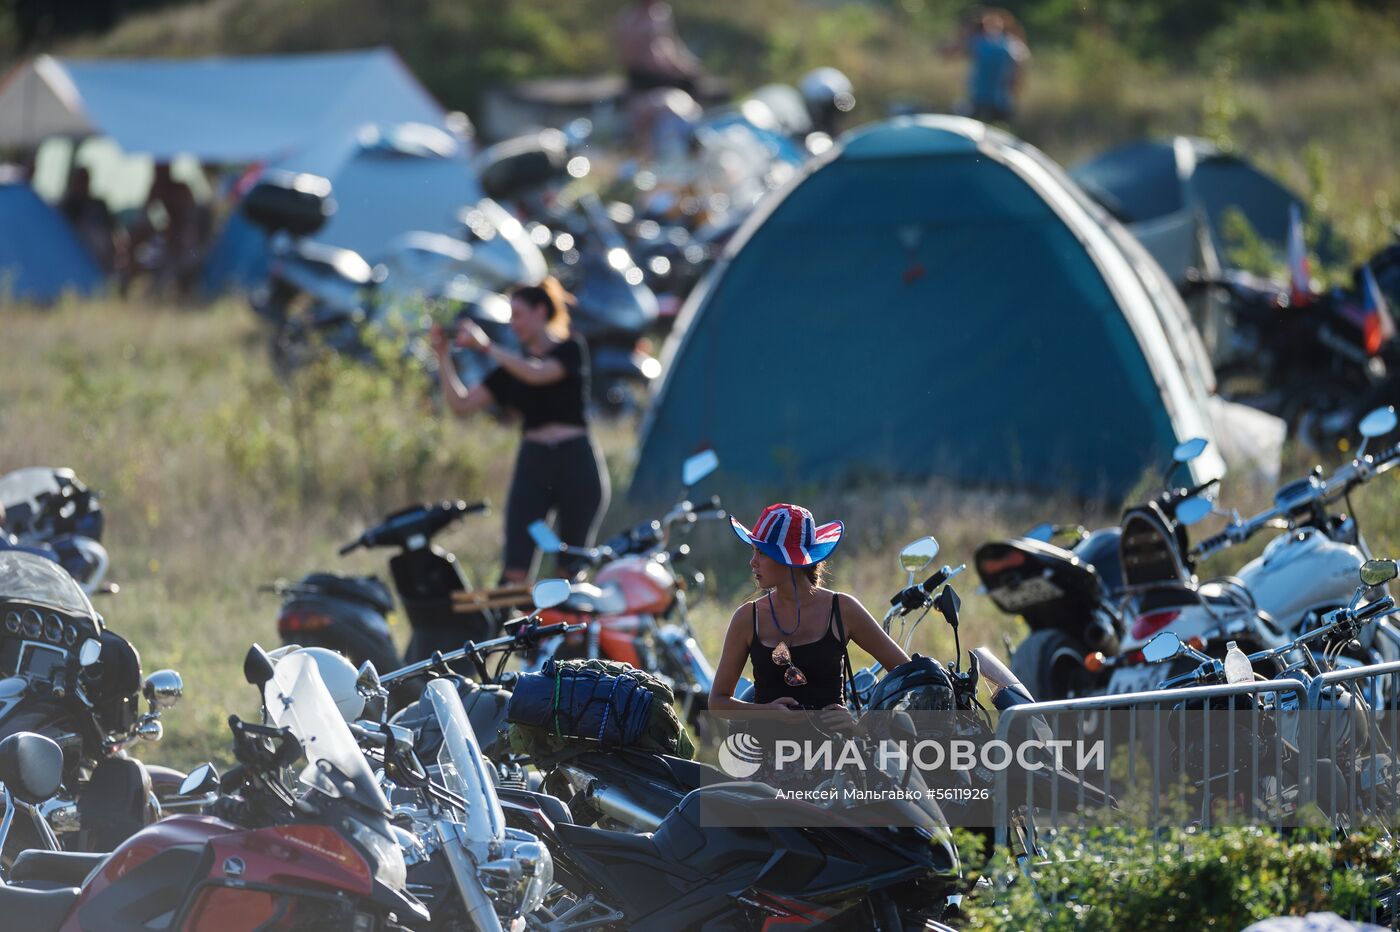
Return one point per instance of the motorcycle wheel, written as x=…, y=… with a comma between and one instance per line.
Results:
x=1050, y=663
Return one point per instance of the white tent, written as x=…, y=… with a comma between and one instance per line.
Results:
x=220, y=110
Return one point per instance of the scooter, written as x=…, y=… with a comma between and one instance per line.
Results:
x=351, y=614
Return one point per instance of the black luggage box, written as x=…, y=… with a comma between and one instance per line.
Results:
x=298, y=204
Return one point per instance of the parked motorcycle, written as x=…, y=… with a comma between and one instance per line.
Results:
x=71, y=679
x=640, y=612
x=1069, y=596
x=351, y=614
x=535, y=177
x=1299, y=577
x=52, y=511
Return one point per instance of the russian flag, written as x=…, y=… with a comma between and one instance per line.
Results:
x=1300, y=291
x=1379, y=326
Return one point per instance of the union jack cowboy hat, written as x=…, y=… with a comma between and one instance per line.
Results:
x=788, y=534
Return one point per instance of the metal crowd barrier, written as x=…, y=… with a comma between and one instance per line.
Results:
x=1353, y=725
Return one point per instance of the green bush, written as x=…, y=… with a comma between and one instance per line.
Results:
x=1124, y=881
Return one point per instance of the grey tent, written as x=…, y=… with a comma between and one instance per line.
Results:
x=934, y=297
x=1175, y=195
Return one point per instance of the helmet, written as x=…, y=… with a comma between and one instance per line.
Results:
x=920, y=685
x=339, y=675
x=827, y=92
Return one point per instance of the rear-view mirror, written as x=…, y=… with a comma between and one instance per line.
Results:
x=202, y=779
x=917, y=556
x=1377, y=572
x=90, y=652
x=1188, y=450
x=548, y=593
x=1162, y=648
x=1378, y=423
x=257, y=666
x=367, y=681
x=544, y=537
x=1193, y=511
x=698, y=467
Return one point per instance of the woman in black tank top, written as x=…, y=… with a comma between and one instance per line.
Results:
x=796, y=633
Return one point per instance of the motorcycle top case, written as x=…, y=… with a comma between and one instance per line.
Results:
x=573, y=706
x=298, y=204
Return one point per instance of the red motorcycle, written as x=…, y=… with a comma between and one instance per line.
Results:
x=637, y=606
x=326, y=861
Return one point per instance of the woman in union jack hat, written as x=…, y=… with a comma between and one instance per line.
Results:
x=796, y=632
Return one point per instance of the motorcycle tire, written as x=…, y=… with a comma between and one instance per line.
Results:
x=1050, y=663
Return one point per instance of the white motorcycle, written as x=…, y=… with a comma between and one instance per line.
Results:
x=1300, y=577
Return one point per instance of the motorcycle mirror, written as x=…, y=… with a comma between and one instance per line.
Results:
x=1193, y=511
x=1043, y=532
x=90, y=652
x=948, y=603
x=202, y=779
x=917, y=556
x=1378, y=423
x=1162, y=648
x=150, y=730
x=402, y=735
x=698, y=467
x=257, y=666
x=1188, y=450
x=163, y=689
x=548, y=593
x=368, y=679
x=1378, y=572
x=544, y=537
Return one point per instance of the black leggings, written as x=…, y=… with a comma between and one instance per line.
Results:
x=568, y=478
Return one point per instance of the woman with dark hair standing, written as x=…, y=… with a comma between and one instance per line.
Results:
x=796, y=634
x=559, y=467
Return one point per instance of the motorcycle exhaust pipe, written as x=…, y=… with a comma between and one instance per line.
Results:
x=1099, y=635
x=620, y=807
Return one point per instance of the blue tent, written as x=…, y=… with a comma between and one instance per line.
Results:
x=1176, y=195
x=934, y=297
x=386, y=180
x=40, y=256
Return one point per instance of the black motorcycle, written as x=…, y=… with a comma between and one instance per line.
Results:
x=1070, y=595
x=68, y=677
x=350, y=614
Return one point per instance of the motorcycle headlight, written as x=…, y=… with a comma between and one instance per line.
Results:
x=530, y=877
x=384, y=853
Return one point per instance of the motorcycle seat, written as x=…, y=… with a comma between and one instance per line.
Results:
x=369, y=590
x=70, y=868
x=36, y=910
x=582, y=840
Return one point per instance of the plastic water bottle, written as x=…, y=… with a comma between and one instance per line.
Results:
x=1237, y=666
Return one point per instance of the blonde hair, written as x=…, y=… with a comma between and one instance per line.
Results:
x=556, y=301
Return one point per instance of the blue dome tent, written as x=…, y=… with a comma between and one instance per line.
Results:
x=40, y=256
x=934, y=297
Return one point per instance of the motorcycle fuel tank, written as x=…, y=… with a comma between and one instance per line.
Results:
x=647, y=585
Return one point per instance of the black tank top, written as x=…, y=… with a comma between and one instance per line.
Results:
x=820, y=661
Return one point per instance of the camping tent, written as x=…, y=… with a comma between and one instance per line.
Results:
x=221, y=110
x=40, y=256
x=1175, y=195
x=386, y=180
x=934, y=297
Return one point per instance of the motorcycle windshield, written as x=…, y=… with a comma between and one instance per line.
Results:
x=28, y=577
x=462, y=766
x=297, y=698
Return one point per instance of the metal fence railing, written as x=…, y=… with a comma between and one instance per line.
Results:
x=1350, y=735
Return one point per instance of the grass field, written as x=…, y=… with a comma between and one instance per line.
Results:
x=217, y=478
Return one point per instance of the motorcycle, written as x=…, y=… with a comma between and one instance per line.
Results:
x=351, y=614
x=1300, y=576
x=68, y=677
x=52, y=511
x=323, y=296
x=329, y=858
x=1358, y=761
x=640, y=611
x=535, y=176
x=1069, y=596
